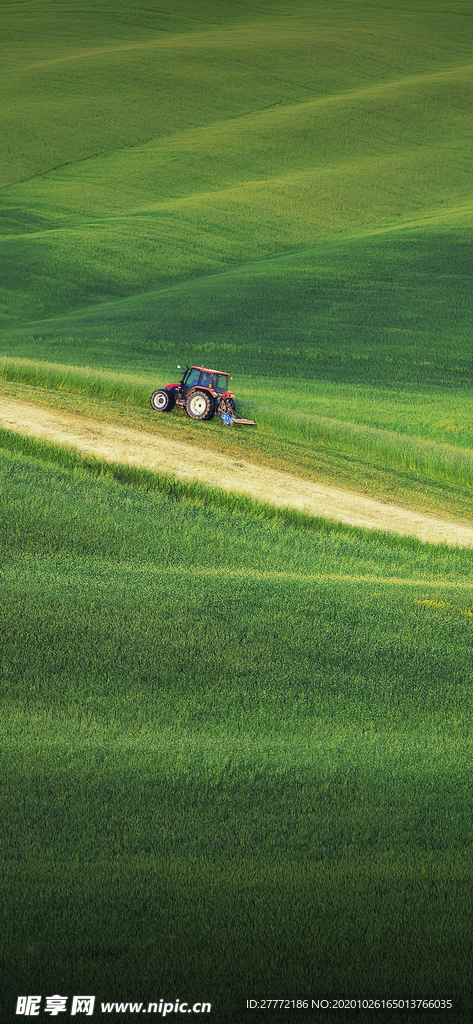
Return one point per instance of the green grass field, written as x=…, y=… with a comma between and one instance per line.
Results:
x=189, y=736
x=237, y=742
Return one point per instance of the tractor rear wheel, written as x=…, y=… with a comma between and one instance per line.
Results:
x=162, y=400
x=200, y=405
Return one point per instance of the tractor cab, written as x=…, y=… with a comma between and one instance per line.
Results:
x=199, y=376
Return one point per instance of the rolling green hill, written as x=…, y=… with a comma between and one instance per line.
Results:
x=160, y=152
x=390, y=309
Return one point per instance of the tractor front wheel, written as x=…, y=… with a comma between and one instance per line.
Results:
x=200, y=405
x=162, y=400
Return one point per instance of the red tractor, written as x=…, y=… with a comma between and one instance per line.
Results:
x=203, y=393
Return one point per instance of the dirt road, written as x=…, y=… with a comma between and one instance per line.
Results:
x=189, y=462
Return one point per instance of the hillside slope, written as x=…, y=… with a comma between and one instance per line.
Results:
x=189, y=462
x=170, y=147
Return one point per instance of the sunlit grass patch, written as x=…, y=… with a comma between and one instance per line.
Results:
x=77, y=379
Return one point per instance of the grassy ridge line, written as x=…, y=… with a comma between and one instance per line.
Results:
x=217, y=228
x=10, y=569
x=194, y=491
x=392, y=309
x=442, y=462
x=317, y=135
x=354, y=189
x=203, y=38
x=77, y=379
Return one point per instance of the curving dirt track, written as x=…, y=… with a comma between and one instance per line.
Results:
x=189, y=462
